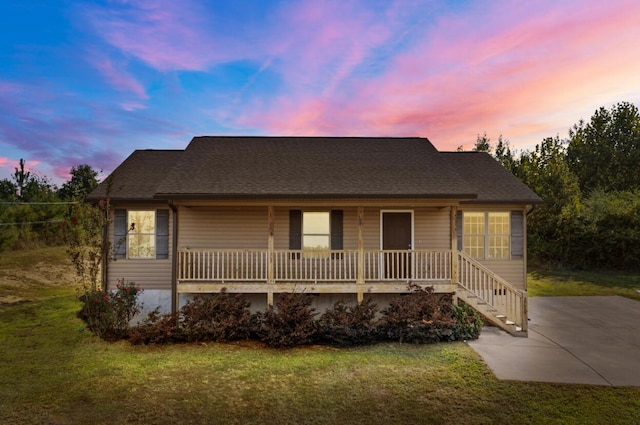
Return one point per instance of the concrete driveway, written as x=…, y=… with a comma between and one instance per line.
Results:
x=577, y=340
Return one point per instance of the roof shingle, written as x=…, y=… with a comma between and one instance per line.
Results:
x=222, y=167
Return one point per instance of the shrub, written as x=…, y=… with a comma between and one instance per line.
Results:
x=418, y=317
x=291, y=323
x=346, y=325
x=220, y=317
x=468, y=322
x=108, y=313
x=157, y=329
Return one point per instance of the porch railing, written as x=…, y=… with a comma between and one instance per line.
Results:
x=325, y=266
x=493, y=290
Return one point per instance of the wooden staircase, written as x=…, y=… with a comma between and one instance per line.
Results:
x=494, y=298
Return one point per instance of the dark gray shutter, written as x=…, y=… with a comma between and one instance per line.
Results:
x=459, y=229
x=162, y=234
x=517, y=234
x=295, y=229
x=336, y=230
x=120, y=234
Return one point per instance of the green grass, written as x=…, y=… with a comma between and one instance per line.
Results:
x=52, y=371
x=552, y=283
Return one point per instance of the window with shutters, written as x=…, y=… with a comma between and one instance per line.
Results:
x=316, y=233
x=487, y=235
x=141, y=234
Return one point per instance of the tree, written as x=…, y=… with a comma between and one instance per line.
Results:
x=546, y=172
x=83, y=181
x=605, y=153
x=483, y=144
x=8, y=190
x=21, y=178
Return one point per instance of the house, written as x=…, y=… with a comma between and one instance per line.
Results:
x=333, y=217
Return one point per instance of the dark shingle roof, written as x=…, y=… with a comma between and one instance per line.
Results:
x=489, y=179
x=222, y=167
x=138, y=177
x=311, y=166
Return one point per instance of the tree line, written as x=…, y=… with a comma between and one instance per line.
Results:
x=33, y=210
x=589, y=181
x=590, y=184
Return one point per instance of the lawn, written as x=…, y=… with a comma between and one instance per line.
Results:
x=553, y=283
x=52, y=371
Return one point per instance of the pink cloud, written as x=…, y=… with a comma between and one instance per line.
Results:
x=512, y=71
x=120, y=78
x=165, y=34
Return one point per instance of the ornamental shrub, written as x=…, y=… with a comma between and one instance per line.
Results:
x=291, y=323
x=157, y=329
x=108, y=313
x=347, y=325
x=219, y=317
x=468, y=322
x=418, y=317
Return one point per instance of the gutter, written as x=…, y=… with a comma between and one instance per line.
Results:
x=174, y=259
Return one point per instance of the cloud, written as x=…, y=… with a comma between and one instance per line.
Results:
x=119, y=78
x=59, y=130
x=165, y=34
x=513, y=69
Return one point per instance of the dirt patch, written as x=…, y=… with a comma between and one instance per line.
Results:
x=31, y=280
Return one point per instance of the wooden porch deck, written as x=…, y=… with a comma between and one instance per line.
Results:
x=353, y=271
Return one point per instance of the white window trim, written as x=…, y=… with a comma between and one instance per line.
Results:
x=488, y=235
x=154, y=234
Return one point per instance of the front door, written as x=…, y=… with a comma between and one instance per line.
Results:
x=396, y=241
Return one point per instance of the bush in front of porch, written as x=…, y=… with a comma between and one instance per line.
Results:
x=420, y=316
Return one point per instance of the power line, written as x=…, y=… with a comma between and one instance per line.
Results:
x=32, y=222
x=39, y=203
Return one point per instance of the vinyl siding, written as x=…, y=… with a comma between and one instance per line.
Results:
x=432, y=229
x=223, y=228
x=149, y=274
x=510, y=270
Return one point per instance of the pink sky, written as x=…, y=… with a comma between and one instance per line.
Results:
x=103, y=80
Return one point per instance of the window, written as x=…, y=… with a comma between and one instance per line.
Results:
x=141, y=234
x=141, y=238
x=487, y=234
x=316, y=233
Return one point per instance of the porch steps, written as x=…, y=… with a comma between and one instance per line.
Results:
x=489, y=313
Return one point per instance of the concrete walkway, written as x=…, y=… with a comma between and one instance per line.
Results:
x=577, y=340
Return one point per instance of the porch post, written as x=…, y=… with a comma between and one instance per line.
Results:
x=270, y=254
x=360, y=276
x=454, y=242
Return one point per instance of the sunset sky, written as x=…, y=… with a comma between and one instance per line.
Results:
x=90, y=81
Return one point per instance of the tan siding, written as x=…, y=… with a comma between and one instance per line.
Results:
x=371, y=229
x=432, y=229
x=281, y=228
x=223, y=228
x=149, y=274
x=510, y=270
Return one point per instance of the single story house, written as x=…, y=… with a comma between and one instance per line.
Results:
x=333, y=217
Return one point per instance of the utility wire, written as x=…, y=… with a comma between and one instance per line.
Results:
x=39, y=203
x=32, y=222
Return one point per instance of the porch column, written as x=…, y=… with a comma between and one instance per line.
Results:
x=360, y=276
x=454, y=244
x=270, y=253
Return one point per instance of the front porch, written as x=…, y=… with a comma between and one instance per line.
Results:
x=255, y=271
x=344, y=271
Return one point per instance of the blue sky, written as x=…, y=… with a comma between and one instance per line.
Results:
x=90, y=81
